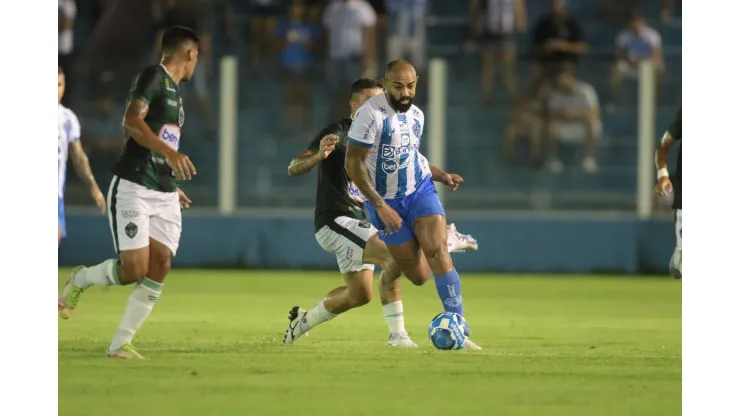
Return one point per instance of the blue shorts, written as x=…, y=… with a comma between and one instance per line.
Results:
x=62, y=225
x=422, y=203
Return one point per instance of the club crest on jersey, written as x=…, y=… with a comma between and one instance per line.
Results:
x=416, y=128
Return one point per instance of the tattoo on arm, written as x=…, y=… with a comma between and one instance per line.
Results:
x=354, y=163
x=82, y=164
x=303, y=163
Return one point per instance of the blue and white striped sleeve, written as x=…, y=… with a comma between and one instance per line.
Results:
x=365, y=127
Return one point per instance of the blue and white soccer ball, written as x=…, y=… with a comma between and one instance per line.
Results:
x=448, y=331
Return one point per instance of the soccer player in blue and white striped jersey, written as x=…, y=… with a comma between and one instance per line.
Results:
x=384, y=162
x=69, y=139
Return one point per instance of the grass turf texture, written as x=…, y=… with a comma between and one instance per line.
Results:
x=552, y=345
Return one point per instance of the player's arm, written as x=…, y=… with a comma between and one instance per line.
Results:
x=670, y=137
x=148, y=87
x=361, y=138
x=354, y=164
x=146, y=90
x=319, y=149
x=82, y=164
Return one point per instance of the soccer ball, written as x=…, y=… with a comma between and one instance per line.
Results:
x=448, y=331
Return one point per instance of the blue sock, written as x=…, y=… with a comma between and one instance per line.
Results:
x=448, y=289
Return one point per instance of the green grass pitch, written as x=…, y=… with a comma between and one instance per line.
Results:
x=553, y=345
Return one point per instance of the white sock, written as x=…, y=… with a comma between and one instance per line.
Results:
x=315, y=316
x=103, y=274
x=394, y=317
x=138, y=308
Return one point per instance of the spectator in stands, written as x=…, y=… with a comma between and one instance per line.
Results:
x=350, y=25
x=525, y=122
x=571, y=116
x=494, y=25
x=67, y=13
x=635, y=44
x=298, y=38
x=407, y=31
x=666, y=10
x=558, y=40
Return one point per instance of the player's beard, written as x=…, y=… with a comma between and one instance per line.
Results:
x=398, y=106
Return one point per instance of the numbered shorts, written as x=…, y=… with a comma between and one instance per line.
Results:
x=346, y=237
x=679, y=225
x=137, y=214
x=422, y=203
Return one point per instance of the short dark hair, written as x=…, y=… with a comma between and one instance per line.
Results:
x=363, y=84
x=176, y=36
x=61, y=71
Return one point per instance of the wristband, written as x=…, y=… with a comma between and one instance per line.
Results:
x=663, y=173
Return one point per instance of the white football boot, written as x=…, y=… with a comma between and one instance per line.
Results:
x=458, y=243
x=470, y=345
x=295, y=316
x=401, y=340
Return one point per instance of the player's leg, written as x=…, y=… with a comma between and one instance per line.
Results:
x=674, y=267
x=165, y=227
x=430, y=228
x=358, y=291
x=389, y=289
x=129, y=221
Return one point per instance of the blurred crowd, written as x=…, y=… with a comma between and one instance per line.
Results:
x=310, y=44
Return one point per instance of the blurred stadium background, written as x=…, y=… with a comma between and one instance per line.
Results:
x=260, y=95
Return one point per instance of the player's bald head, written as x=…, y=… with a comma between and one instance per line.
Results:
x=399, y=84
x=400, y=69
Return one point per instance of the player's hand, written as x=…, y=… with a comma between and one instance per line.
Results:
x=99, y=198
x=181, y=166
x=452, y=181
x=663, y=187
x=184, y=200
x=327, y=145
x=390, y=218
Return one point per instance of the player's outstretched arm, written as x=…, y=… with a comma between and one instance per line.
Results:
x=450, y=180
x=317, y=151
x=82, y=167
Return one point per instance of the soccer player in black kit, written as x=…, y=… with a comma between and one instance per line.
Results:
x=341, y=229
x=667, y=182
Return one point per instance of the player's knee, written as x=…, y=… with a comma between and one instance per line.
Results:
x=361, y=295
x=438, y=253
x=418, y=279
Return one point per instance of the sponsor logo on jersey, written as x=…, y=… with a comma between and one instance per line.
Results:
x=172, y=103
x=388, y=151
x=170, y=134
x=181, y=115
x=354, y=193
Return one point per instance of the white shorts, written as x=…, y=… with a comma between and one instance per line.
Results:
x=346, y=237
x=679, y=237
x=137, y=214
